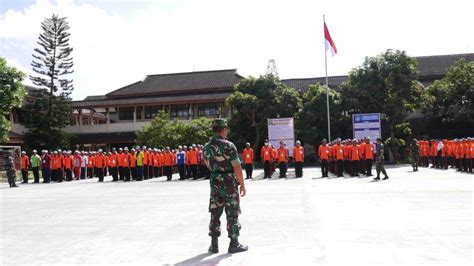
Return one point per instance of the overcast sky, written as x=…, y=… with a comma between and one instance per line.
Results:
x=117, y=42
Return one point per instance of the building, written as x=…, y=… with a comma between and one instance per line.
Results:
x=114, y=118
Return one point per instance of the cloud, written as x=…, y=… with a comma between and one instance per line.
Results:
x=114, y=47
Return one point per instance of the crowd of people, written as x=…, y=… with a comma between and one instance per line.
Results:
x=352, y=157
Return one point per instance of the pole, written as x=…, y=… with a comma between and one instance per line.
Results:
x=327, y=83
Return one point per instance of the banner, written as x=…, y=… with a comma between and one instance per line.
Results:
x=282, y=129
x=366, y=125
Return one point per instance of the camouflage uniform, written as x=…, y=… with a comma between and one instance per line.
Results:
x=379, y=160
x=415, y=155
x=220, y=156
x=11, y=172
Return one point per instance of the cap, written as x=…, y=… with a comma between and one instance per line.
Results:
x=125, y=149
x=23, y=152
x=34, y=151
x=219, y=124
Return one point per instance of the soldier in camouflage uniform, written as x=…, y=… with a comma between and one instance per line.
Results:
x=379, y=151
x=10, y=169
x=226, y=175
x=415, y=154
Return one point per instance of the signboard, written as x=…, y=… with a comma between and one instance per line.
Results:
x=366, y=125
x=282, y=129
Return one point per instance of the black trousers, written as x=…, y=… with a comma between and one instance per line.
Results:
x=283, y=167
x=150, y=171
x=368, y=167
x=324, y=168
x=90, y=172
x=68, y=174
x=182, y=171
x=83, y=173
x=145, y=171
x=133, y=173
x=113, y=173
x=155, y=171
x=355, y=167
x=340, y=168
x=120, y=173
x=46, y=173
x=194, y=171
x=36, y=174
x=267, y=170
x=100, y=173
x=24, y=174
x=126, y=173
x=168, y=172
x=248, y=170
x=299, y=169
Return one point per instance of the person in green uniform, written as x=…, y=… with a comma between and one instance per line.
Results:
x=414, y=154
x=35, y=161
x=10, y=169
x=379, y=151
x=221, y=158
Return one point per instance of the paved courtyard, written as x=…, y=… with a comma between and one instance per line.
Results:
x=410, y=219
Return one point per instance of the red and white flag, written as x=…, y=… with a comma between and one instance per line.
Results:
x=329, y=43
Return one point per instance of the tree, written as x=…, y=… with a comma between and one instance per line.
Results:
x=163, y=133
x=451, y=99
x=385, y=84
x=254, y=101
x=311, y=125
x=52, y=62
x=12, y=92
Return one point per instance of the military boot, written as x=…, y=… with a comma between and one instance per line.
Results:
x=214, y=248
x=235, y=246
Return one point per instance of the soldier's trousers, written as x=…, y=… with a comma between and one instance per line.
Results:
x=299, y=169
x=145, y=171
x=100, y=173
x=36, y=174
x=354, y=167
x=340, y=168
x=248, y=170
x=133, y=172
x=126, y=174
x=380, y=169
x=224, y=195
x=24, y=174
x=155, y=171
x=120, y=173
x=168, y=172
x=150, y=171
x=194, y=171
x=11, y=179
x=46, y=173
x=282, y=167
x=113, y=173
x=324, y=168
x=68, y=173
x=90, y=172
x=139, y=172
x=267, y=169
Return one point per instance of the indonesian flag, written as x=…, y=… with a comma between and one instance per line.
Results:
x=329, y=43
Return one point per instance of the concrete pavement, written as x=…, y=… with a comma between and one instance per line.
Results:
x=411, y=219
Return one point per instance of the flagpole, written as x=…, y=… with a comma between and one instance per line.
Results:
x=327, y=83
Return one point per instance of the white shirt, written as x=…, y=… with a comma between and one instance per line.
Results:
x=84, y=161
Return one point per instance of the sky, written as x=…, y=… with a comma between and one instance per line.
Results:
x=118, y=42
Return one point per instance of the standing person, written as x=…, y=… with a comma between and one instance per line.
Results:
x=25, y=162
x=180, y=162
x=414, y=154
x=369, y=156
x=282, y=155
x=145, y=162
x=274, y=160
x=119, y=157
x=298, y=157
x=266, y=155
x=10, y=169
x=46, y=166
x=339, y=156
x=156, y=162
x=68, y=163
x=379, y=160
x=150, y=163
x=193, y=161
x=55, y=163
x=323, y=156
x=226, y=175
x=140, y=156
x=35, y=161
x=90, y=165
x=126, y=164
x=354, y=157
x=84, y=162
x=112, y=162
x=133, y=164
x=168, y=164
x=77, y=164
x=99, y=165
x=248, y=155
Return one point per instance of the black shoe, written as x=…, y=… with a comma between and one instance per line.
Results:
x=385, y=178
x=377, y=178
x=236, y=247
x=214, y=248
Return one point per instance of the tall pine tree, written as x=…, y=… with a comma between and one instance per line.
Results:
x=52, y=62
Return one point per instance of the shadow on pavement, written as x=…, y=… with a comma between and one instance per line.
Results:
x=200, y=259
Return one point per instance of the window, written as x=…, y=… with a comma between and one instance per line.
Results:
x=180, y=111
x=139, y=112
x=126, y=113
x=208, y=109
x=152, y=111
